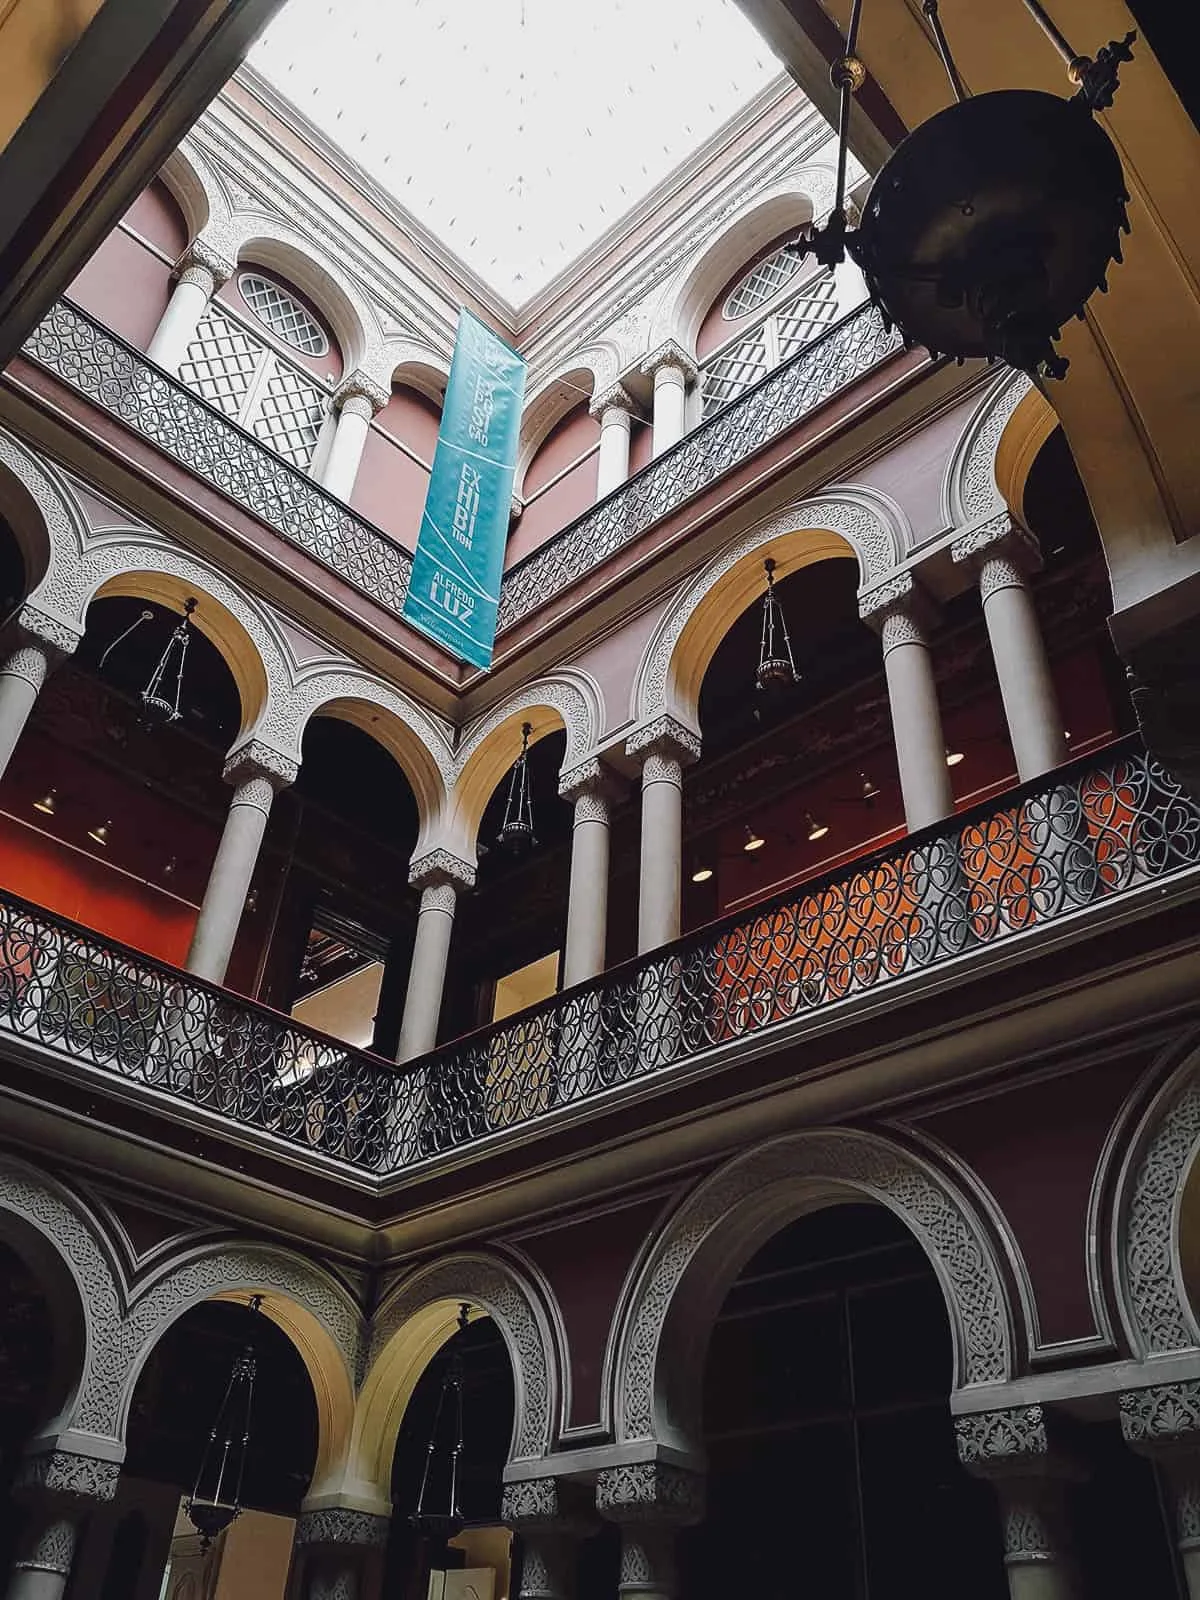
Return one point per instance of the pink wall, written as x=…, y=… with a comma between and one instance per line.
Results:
x=390, y=487
x=127, y=283
x=714, y=330
x=570, y=449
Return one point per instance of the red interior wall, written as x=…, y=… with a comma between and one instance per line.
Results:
x=390, y=487
x=641, y=445
x=127, y=283
x=570, y=449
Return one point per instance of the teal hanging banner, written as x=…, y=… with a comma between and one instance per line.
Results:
x=455, y=586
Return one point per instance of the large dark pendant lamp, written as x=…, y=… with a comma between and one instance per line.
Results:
x=993, y=223
x=216, y=1497
x=439, y=1517
x=516, y=831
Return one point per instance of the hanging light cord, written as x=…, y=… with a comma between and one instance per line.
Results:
x=930, y=8
x=847, y=75
x=142, y=616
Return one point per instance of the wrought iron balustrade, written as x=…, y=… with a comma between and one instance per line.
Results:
x=111, y=374
x=1092, y=832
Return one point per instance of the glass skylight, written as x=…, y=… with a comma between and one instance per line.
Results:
x=517, y=131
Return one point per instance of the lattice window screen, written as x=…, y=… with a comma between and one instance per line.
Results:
x=806, y=316
x=221, y=362
x=761, y=284
x=290, y=417
x=735, y=370
x=285, y=317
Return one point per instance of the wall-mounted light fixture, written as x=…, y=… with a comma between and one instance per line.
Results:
x=48, y=804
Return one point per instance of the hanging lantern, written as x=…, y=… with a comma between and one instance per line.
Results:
x=516, y=831
x=776, y=666
x=993, y=223
x=160, y=697
x=216, y=1497
x=434, y=1517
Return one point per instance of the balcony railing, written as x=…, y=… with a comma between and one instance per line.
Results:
x=1097, y=831
x=111, y=374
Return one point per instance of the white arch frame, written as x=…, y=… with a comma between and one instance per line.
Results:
x=875, y=528
x=189, y=175
x=668, y=1313
x=50, y=525
x=970, y=492
x=558, y=394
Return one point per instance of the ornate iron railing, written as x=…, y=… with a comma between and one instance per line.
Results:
x=114, y=376
x=1091, y=832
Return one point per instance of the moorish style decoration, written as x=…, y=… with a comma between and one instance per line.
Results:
x=994, y=222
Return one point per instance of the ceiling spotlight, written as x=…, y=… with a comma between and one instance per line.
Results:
x=169, y=870
x=702, y=874
x=1066, y=740
x=48, y=803
x=870, y=791
x=953, y=757
x=816, y=830
x=100, y=833
x=754, y=841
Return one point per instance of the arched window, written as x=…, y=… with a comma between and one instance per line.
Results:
x=239, y=367
x=734, y=366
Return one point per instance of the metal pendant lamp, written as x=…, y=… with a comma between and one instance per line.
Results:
x=435, y=1516
x=516, y=831
x=776, y=664
x=994, y=222
x=216, y=1497
x=161, y=696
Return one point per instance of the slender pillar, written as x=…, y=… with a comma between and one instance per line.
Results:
x=898, y=611
x=37, y=644
x=1002, y=554
x=1014, y=1450
x=663, y=747
x=651, y=1502
x=357, y=400
x=1163, y=1423
x=257, y=773
x=587, y=906
x=200, y=272
x=614, y=409
x=439, y=876
x=672, y=370
x=59, y=1488
x=337, y=1554
x=550, y=1525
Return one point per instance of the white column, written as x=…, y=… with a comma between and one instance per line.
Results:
x=200, y=272
x=60, y=1488
x=257, y=773
x=897, y=610
x=1002, y=554
x=1158, y=1422
x=439, y=876
x=614, y=408
x=672, y=370
x=37, y=645
x=357, y=400
x=550, y=1526
x=663, y=747
x=587, y=905
x=651, y=1502
x=337, y=1553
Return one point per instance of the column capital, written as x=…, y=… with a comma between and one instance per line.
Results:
x=256, y=760
x=1018, y=1442
x=362, y=394
x=898, y=609
x=441, y=868
x=615, y=398
x=664, y=736
x=997, y=550
x=590, y=778
x=515, y=507
x=1164, y=1417
x=68, y=1475
x=546, y=1503
x=650, y=1491
x=203, y=264
x=57, y=636
x=670, y=354
x=341, y=1527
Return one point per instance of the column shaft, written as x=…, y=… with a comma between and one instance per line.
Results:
x=21, y=680
x=661, y=851
x=587, y=906
x=229, y=881
x=42, y=1570
x=1035, y=723
x=613, y=464
x=670, y=407
x=345, y=453
x=916, y=723
x=1036, y=1548
x=201, y=271
x=427, y=974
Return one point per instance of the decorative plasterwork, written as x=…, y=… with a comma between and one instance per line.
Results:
x=770, y=1185
x=498, y=1289
x=870, y=525
x=53, y=634
x=1147, y=1221
x=66, y=1472
x=339, y=1527
x=996, y=547
x=441, y=869
x=970, y=491
x=1163, y=1416
x=670, y=354
x=255, y=760
x=54, y=526
x=208, y=265
x=665, y=736
x=650, y=1491
x=615, y=398
x=1011, y=1439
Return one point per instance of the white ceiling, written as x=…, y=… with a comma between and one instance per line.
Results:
x=517, y=131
